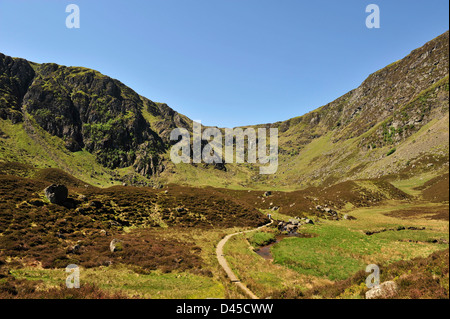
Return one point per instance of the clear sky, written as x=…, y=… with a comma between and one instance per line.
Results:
x=225, y=62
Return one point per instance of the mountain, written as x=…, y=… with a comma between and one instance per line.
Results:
x=66, y=111
x=362, y=180
x=402, y=108
x=99, y=130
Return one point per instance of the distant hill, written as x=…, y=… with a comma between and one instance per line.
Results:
x=395, y=125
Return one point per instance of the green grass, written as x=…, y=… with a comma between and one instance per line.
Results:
x=338, y=252
x=156, y=285
x=257, y=239
x=43, y=150
x=276, y=215
x=328, y=255
x=342, y=248
x=409, y=185
x=237, y=176
x=391, y=151
x=151, y=119
x=262, y=276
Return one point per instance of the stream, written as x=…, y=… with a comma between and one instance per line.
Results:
x=264, y=251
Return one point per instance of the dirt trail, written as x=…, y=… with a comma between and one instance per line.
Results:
x=227, y=268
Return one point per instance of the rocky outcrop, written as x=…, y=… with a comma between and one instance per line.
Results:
x=348, y=217
x=92, y=111
x=116, y=245
x=15, y=77
x=56, y=194
x=387, y=289
x=165, y=119
x=328, y=212
x=379, y=96
x=87, y=110
x=293, y=224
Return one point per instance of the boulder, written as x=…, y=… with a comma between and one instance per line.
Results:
x=56, y=194
x=387, y=289
x=291, y=228
x=268, y=193
x=115, y=245
x=309, y=221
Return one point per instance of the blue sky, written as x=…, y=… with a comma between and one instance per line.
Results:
x=225, y=62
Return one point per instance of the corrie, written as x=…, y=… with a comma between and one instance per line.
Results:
x=207, y=146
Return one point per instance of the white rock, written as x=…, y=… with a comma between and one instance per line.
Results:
x=387, y=289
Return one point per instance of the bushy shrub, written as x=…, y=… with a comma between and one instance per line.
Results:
x=391, y=151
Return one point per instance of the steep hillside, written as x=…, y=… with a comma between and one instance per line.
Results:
x=69, y=111
x=395, y=125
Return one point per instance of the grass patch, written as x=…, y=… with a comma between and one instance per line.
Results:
x=391, y=151
x=257, y=239
x=342, y=248
x=155, y=285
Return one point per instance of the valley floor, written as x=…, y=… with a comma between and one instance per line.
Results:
x=340, y=249
x=170, y=238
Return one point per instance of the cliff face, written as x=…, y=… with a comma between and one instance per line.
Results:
x=15, y=78
x=87, y=110
x=387, y=94
x=345, y=138
x=91, y=112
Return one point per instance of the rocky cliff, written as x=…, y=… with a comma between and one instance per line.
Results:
x=89, y=111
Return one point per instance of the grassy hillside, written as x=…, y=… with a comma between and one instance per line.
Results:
x=102, y=132
x=385, y=127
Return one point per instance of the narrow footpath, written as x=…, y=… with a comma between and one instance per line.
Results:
x=222, y=261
